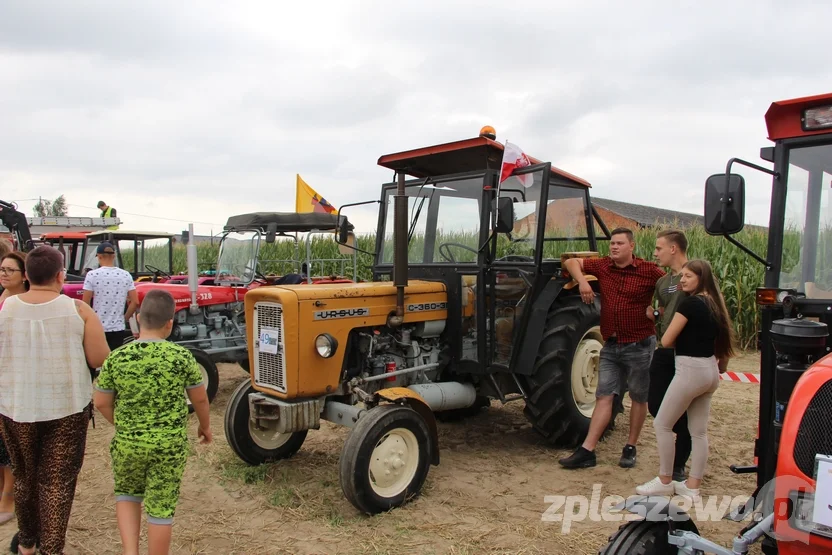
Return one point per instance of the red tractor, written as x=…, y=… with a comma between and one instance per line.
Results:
x=791, y=509
x=210, y=314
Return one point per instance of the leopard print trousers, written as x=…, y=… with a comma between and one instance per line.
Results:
x=46, y=459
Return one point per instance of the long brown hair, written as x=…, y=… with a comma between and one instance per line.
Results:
x=20, y=258
x=708, y=284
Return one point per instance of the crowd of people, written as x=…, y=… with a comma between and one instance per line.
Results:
x=667, y=336
x=51, y=347
x=674, y=382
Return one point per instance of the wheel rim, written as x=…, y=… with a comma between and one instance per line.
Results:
x=204, y=380
x=394, y=462
x=585, y=370
x=266, y=438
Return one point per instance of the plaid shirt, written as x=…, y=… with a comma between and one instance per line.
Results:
x=625, y=295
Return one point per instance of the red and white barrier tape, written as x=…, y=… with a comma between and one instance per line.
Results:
x=744, y=377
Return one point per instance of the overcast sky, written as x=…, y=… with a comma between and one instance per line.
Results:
x=195, y=111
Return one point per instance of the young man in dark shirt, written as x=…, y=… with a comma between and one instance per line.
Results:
x=627, y=284
x=671, y=252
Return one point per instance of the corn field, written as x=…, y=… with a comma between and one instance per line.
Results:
x=738, y=273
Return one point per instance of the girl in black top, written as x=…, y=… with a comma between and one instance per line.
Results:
x=703, y=338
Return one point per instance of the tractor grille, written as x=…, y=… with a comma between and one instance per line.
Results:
x=269, y=367
x=815, y=434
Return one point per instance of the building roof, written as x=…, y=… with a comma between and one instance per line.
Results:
x=646, y=216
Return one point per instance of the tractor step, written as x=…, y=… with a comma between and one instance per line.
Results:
x=743, y=469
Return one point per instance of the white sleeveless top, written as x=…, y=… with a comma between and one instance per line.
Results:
x=43, y=369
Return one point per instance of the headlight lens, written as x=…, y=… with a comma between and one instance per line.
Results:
x=326, y=345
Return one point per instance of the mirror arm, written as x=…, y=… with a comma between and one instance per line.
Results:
x=748, y=251
x=725, y=199
x=338, y=217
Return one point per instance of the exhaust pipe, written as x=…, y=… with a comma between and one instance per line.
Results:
x=193, y=280
x=400, y=252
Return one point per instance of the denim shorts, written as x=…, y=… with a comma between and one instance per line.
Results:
x=626, y=363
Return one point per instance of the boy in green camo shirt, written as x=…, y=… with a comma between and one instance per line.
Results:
x=140, y=391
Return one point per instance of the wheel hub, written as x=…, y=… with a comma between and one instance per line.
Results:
x=265, y=437
x=585, y=371
x=394, y=462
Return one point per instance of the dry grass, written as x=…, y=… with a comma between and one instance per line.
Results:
x=486, y=496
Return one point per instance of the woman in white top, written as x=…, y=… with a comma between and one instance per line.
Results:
x=48, y=342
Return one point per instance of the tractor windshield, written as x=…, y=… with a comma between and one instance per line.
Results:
x=807, y=240
x=237, y=261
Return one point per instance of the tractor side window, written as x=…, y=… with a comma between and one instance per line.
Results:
x=566, y=217
x=457, y=230
x=417, y=207
x=807, y=238
x=128, y=254
x=154, y=253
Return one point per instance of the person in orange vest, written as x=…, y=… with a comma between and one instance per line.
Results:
x=107, y=212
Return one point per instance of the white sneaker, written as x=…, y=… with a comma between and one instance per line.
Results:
x=656, y=487
x=682, y=489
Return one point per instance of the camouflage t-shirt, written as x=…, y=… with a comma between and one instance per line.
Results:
x=669, y=294
x=149, y=379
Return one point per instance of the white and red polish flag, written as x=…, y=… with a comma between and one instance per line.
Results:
x=514, y=158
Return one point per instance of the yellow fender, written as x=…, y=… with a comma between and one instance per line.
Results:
x=415, y=401
x=572, y=284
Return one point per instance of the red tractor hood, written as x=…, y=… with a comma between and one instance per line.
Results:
x=206, y=295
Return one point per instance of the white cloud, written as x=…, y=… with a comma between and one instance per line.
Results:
x=199, y=110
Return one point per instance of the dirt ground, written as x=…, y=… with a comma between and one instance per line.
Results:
x=486, y=496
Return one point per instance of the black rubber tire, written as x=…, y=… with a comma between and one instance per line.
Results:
x=551, y=406
x=643, y=537
x=358, y=449
x=210, y=371
x=239, y=438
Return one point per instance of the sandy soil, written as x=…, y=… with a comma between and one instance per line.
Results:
x=486, y=496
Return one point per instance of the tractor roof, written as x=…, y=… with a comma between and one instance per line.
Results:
x=286, y=222
x=125, y=235
x=784, y=117
x=467, y=155
x=65, y=235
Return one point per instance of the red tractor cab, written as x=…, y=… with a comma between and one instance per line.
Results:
x=791, y=510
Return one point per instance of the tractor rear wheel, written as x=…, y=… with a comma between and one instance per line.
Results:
x=386, y=458
x=561, y=390
x=210, y=375
x=253, y=445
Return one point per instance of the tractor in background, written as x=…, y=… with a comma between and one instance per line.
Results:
x=791, y=510
x=468, y=303
x=210, y=317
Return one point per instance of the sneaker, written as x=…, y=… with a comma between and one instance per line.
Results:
x=581, y=458
x=682, y=489
x=628, y=457
x=679, y=474
x=656, y=487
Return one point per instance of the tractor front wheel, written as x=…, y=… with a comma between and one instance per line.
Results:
x=210, y=375
x=386, y=458
x=561, y=389
x=252, y=444
x=644, y=537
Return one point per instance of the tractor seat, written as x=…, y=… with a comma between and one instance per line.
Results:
x=289, y=279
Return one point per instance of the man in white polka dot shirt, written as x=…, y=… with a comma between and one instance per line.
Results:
x=108, y=289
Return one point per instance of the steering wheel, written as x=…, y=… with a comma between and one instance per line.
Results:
x=157, y=272
x=450, y=257
x=259, y=277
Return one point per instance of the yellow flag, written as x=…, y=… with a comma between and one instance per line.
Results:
x=308, y=200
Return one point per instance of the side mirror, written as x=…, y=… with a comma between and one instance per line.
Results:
x=505, y=214
x=185, y=237
x=271, y=232
x=724, y=204
x=347, y=247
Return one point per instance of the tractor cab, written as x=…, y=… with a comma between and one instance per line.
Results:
x=71, y=245
x=148, y=256
x=267, y=247
x=791, y=508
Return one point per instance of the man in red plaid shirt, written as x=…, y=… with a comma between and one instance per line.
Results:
x=627, y=284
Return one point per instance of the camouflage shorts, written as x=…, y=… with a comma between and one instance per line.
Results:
x=150, y=472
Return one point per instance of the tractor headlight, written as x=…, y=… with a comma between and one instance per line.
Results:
x=326, y=345
x=803, y=517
